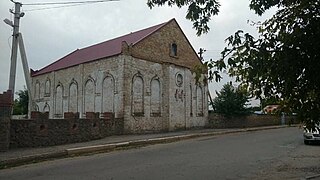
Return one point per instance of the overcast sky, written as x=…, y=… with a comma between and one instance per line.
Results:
x=53, y=33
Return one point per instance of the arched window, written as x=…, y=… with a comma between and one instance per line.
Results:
x=137, y=103
x=47, y=88
x=191, y=96
x=155, y=97
x=73, y=97
x=89, y=96
x=199, y=101
x=108, y=88
x=46, y=108
x=59, y=101
x=174, y=49
x=36, y=107
x=37, y=90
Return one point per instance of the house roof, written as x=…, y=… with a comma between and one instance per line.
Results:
x=271, y=108
x=102, y=50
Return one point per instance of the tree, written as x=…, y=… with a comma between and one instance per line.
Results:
x=199, y=11
x=231, y=101
x=20, y=105
x=283, y=61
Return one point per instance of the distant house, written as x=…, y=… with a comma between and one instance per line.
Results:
x=144, y=78
x=270, y=109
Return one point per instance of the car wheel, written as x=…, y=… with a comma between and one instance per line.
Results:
x=306, y=142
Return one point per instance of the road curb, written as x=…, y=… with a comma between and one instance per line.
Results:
x=32, y=159
x=160, y=140
x=313, y=177
x=71, y=152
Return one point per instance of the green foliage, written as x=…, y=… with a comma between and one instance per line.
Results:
x=283, y=61
x=20, y=105
x=199, y=70
x=199, y=11
x=253, y=109
x=231, y=101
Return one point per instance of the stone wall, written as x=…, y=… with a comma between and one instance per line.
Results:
x=5, y=113
x=178, y=100
x=157, y=47
x=42, y=131
x=218, y=121
x=81, y=89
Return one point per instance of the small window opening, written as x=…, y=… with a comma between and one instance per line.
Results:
x=174, y=49
x=42, y=127
x=74, y=127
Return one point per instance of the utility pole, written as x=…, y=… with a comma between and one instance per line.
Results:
x=14, y=50
x=26, y=72
x=17, y=40
x=201, y=52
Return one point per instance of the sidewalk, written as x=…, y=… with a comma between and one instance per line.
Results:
x=20, y=156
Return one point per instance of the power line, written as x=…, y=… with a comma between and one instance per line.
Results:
x=64, y=3
x=56, y=7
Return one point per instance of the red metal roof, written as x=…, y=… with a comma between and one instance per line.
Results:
x=102, y=50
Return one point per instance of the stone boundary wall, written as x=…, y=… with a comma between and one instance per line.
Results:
x=5, y=113
x=218, y=121
x=42, y=131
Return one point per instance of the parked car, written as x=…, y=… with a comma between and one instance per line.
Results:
x=311, y=135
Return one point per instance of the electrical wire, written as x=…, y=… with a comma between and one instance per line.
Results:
x=9, y=38
x=65, y=3
x=56, y=7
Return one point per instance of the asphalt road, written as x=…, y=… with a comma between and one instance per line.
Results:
x=252, y=155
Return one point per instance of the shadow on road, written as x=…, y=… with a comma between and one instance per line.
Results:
x=314, y=143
